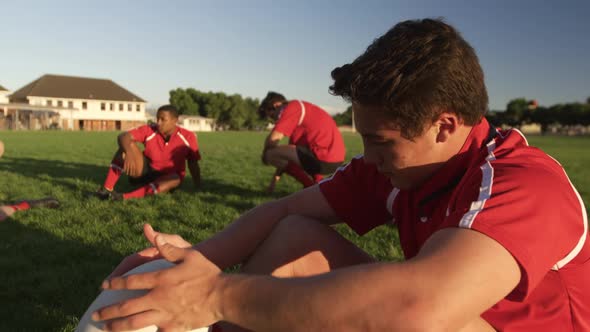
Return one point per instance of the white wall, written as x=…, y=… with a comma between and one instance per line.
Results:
x=197, y=124
x=93, y=109
x=4, y=97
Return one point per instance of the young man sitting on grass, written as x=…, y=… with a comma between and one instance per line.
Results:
x=161, y=166
x=494, y=234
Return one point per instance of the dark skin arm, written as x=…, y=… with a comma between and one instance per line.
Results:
x=195, y=169
x=133, y=160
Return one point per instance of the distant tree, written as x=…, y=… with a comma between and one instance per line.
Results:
x=185, y=104
x=344, y=118
x=517, y=112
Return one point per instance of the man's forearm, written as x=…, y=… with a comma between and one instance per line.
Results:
x=373, y=297
x=195, y=169
x=126, y=142
x=369, y=297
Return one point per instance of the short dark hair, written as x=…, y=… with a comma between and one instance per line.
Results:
x=268, y=102
x=170, y=109
x=416, y=71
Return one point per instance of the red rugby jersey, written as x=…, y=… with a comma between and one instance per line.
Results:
x=501, y=187
x=308, y=125
x=167, y=157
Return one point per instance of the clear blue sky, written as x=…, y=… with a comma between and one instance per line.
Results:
x=532, y=49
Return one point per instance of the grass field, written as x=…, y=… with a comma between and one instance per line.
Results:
x=52, y=261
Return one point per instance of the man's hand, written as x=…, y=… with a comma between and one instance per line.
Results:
x=133, y=163
x=149, y=254
x=273, y=182
x=180, y=298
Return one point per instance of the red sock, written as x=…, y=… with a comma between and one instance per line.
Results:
x=149, y=189
x=113, y=175
x=299, y=174
x=24, y=205
x=317, y=178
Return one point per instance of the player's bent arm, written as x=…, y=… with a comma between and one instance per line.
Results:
x=125, y=141
x=238, y=241
x=272, y=140
x=459, y=274
x=195, y=169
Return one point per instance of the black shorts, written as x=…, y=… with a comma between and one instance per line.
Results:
x=311, y=164
x=148, y=174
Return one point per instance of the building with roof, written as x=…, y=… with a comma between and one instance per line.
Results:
x=73, y=103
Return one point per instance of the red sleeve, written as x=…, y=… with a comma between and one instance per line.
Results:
x=289, y=119
x=194, y=153
x=139, y=134
x=358, y=195
x=530, y=208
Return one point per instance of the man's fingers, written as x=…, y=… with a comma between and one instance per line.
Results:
x=135, y=321
x=150, y=233
x=171, y=252
x=135, y=281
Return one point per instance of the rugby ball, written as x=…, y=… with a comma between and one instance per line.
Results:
x=108, y=297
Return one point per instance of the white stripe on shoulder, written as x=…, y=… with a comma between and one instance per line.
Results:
x=302, y=113
x=485, y=188
x=183, y=139
x=150, y=137
x=391, y=199
x=340, y=169
x=522, y=135
x=568, y=258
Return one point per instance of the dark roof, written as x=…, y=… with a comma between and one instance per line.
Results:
x=57, y=86
x=3, y=88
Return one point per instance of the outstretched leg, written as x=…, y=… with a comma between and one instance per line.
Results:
x=162, y=184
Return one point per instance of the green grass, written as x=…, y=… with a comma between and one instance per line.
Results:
x=52, y=261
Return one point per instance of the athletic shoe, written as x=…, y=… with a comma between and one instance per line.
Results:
x=47, y=202
x=115, y=196
x=102, y=194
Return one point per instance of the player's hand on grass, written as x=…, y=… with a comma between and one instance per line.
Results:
x=180, y=298
x=149, y=254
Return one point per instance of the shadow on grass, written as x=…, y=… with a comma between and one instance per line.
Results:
x=239, y=198
x=60, y=172
x=47, y=282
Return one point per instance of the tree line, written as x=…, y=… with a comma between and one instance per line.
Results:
x=235, y=112
x=232, y=112
x=519, y=112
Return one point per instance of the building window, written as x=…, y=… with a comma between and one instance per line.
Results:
x=49, y=102
x=111, y=107
x=138, y=107
x=129, y=107
x=84, y=105
x=103, y=106
x=70, y=104
x=120, y=107
x=60, y=103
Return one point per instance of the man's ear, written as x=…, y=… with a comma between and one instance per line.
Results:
x=447, y=125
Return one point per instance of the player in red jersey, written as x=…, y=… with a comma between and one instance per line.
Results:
x=315, y=144
x=161, y=166
x=494, y=234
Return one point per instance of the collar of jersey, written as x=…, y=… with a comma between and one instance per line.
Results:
x=449, y=175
